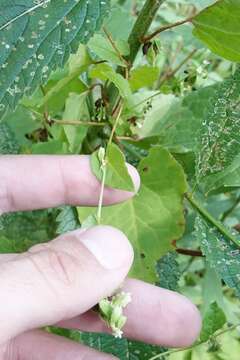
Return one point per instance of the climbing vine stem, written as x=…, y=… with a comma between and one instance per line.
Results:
x=210, y=219
x=169, y=352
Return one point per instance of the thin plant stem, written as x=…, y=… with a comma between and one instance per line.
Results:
x=100, y=202
x=169, y=352
x=166, y=27
x=115, y=124
x=169, y=75
x=110, y=39
x=232, y=208
x=76, y=122
x=207, y=216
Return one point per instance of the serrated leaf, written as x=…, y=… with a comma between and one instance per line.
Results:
x=64, y=82
x=105, y=72
x=213, y=320
x=19, y=231
x=22, y=122
x=227, y=178
x=122, y=348
x=218, y=26
x=67, y=220
x=117, y=175
x=154, y=217
x=168, y=272
x=219, y=141
x=222, y=254
x=105, y=51
x=36, y=38
x=176, y=122
x=8, y=141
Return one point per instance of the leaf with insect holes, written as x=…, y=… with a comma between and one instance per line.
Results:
x=219, y=135
x=154, y=217
x=117, y=175
x=8, y=141
x=213, y=320
x=220, y=252
x=36, y=37
x=168, y=271
x=218, y=26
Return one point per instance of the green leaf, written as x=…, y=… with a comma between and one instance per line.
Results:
x=19, y=231
x=177, y=123
x=213, y=320
x=222, y=254
x=76, y=109
x=218, y=26
x=105, y=72
x=105, y=51
x=154, y=217
x=227, y=178
x=22, y=122
x=8, y=142
x=168, y=271
x=58, y=90
x=35, y=39
x=117, y=175
x=49, y=147
x=143, y=76
x=122, y=348
x=67, y=220
x=219, y=141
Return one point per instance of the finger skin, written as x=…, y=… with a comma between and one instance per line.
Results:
x=155, y=315
x=38, y=345
x=30, y=182
x=61, y=279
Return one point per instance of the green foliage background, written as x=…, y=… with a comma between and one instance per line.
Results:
x=74, y=74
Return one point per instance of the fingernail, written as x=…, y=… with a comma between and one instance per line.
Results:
x=109, y=246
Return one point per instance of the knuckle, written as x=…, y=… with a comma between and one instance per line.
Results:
x=10, y=351
x=55, y=266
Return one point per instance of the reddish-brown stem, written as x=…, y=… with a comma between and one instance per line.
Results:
x=166, y=27
x=188, y=252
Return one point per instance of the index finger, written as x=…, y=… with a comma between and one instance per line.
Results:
x=29, y=182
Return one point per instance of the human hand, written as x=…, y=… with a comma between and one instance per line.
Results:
x=58, y=282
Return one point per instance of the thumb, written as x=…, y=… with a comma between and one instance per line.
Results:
x=61, y=279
